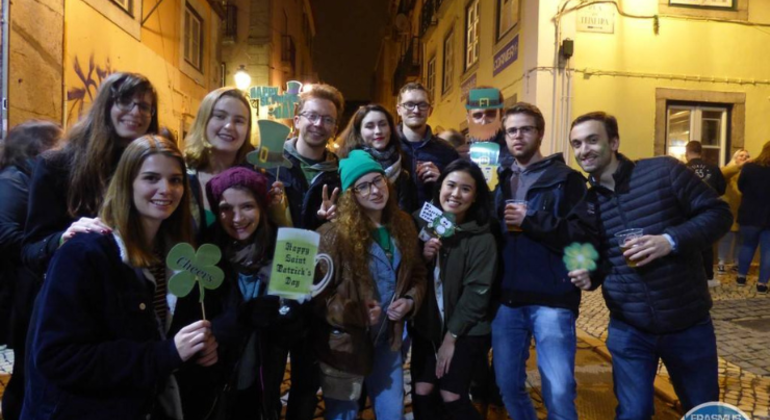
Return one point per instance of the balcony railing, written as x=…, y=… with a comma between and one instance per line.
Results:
x=429, y=16
x=409, y=66
x=288, y=53
x=230, y=24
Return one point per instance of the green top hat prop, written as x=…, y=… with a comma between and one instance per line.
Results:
x=269, y=154
x=488, y=98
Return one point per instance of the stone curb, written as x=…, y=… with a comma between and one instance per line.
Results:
x=663, y=388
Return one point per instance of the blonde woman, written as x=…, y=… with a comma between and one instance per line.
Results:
x=730, y=244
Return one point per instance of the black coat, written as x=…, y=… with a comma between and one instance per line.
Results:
x=433, y=149
x=755, y=202
x=661, y=196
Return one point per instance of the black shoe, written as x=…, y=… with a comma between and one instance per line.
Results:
x=741, y=281
x=761, y=288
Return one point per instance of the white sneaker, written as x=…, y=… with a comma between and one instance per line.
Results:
x=714, y=283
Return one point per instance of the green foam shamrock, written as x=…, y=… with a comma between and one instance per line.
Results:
x=191, y=266
x=580, y=256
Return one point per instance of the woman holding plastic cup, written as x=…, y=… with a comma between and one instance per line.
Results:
x=451, y=329
x=378, y=282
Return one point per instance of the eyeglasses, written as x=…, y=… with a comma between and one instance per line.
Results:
x=365, y=188
x=410, y=106
x=314, y=118
x=490, y=113
x=525, y=130
x=125, y=104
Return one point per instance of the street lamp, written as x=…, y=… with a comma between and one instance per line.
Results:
x=242, y=78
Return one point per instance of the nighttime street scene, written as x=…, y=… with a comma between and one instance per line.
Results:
x=384, y=209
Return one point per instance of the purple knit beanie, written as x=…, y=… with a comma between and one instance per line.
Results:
x=237, y=177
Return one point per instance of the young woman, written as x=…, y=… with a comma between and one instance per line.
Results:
x=373, y=130
x=68, y=185
x=18, y=287
x=98, y=345
x=218, y=140
x=754, y=217
x=730, y=244
x=379, y=281
x=451, y=328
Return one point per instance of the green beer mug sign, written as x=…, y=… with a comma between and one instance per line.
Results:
x=294, y=262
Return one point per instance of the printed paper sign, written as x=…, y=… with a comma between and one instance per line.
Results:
x=269, y=154
x=487, y=156
x=294, y=263
x=191, y=267
x=429, y=212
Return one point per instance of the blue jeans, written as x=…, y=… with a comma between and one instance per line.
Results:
x=753, y=236
x=555, y=343
x=689, y=355
x=729, y=246
x=385, y=386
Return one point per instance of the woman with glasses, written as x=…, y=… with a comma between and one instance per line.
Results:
x=98, y=345
x=372, y=129
x=452, y=328
x=68, y=185
x=378, y=282
x=219, y=139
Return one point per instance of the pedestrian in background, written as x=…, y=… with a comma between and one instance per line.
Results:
x=98, y=343
x=379, y=281
x=372, y=129
x=452, y=327
x=754, y=217
x=18, y=286
x=218, y=140
x=730, y=244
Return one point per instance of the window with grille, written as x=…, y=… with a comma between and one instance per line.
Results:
x=193, y=38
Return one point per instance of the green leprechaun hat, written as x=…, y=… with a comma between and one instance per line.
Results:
x=486, y=98
x=269, y=154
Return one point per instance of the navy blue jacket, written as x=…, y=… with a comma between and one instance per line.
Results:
x=755, y=202
x=95, y=349
x=533, y=271
x=659, y=195
x=432, y=149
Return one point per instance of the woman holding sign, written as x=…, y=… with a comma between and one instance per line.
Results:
x=218, y=140
x=373, y=130
x=378, y=282
x=98, y=344
x=451, y=328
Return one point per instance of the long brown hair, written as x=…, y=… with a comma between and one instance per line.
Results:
x=764, y=156
x=94, y=146
x=27, y=140
x=119, y=210
x=351, y=136
x=356, y=231
x=197, y=149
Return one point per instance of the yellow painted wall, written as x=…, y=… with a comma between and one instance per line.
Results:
x=683, y=48
x=102, y=45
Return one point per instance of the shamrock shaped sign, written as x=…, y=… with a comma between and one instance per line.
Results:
x=580, y=256
x=191, y=267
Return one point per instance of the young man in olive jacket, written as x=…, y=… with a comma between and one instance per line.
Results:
x=537, y=297
x=656, y=289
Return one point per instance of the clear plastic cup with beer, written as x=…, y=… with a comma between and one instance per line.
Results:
x=625, y=236
x=512, y=203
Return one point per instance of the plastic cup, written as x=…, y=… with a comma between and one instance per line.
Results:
x=522, y=204
x=623, y=237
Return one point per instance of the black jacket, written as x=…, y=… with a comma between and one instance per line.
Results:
x=710, y=174
x=659, y=195
x=432, y=149
x=755, y=202
x=533, y=271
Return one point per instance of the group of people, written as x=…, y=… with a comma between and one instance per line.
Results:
x=97, y=334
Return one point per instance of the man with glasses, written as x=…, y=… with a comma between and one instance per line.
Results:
x=537, y=298
x=310, y=188
x=425, y=155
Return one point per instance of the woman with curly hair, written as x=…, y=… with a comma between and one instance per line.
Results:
x=452, y=327
x=372, y=129
x=218, y=140
x=379, y=280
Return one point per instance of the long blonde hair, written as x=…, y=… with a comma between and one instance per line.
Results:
x=356, y=232
x=119, y=210
x=197, y=149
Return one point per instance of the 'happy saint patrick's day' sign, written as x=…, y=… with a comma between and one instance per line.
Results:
x=296, y=255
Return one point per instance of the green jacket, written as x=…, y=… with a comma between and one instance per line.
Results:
x=468, y=268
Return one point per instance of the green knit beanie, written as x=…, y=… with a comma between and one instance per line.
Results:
x=357, y=164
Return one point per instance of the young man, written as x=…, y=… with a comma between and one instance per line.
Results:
x=711, y=175
x=537, y=297
x=425, y=155
x=310, y=189
x=659, y=301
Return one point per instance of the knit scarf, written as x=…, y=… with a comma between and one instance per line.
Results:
x=245, y=257
x=389, y=159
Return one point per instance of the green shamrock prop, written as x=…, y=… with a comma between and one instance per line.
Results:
x=191, y=267
x=579, y=256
